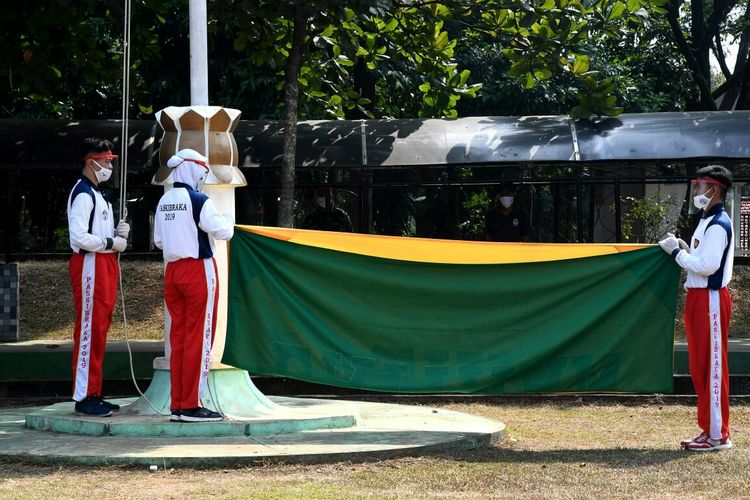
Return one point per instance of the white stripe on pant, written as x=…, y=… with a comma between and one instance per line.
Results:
x=208, y=321
x=88, y=282
x=714, y=312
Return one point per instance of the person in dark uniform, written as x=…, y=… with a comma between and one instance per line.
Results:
x=326, y=216
x=503, y=222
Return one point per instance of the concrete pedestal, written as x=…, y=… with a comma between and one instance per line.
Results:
x=382, y=431
x=230, y=391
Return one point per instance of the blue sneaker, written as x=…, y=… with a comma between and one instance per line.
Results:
x=106, y=404
x=92, y=408
x=200, y=415
x=175, y=416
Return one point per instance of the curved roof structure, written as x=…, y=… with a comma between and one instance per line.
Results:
x=493, y=140
x=391, y=143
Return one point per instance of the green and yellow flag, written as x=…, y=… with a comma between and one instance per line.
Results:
x=414, y=315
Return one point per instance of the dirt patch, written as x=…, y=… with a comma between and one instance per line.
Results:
x=740, y=290
x=48, y=312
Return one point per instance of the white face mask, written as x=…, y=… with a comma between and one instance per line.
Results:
x=701, y=201
x=103, y=174
x=506, y=201
x=199, y=183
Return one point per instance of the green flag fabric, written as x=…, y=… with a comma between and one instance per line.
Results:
x=301, y=307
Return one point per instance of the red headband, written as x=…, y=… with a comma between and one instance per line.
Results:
x=105, y=156
x=707, y=180
x=198, y=162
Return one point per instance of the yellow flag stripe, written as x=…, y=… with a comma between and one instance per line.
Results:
x=440, y=251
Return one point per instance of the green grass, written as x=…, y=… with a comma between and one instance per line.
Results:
x=558, y=449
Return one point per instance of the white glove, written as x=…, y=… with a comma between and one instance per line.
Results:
x=229, y=217
x=669, y=244
x=122, y=229
x=119, y=244
x=681, y=242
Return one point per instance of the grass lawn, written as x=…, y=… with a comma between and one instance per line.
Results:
x=553, y=449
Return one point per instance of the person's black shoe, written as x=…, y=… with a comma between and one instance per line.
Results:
x=176, y=416
x=106, y=404
x=92, y=408
x=200, y=415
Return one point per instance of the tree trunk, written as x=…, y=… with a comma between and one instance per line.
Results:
x=695, y=52
x=291, y=101
x=743, y=101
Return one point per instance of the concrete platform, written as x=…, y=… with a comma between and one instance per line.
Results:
x=381, y=430
x=294, y=416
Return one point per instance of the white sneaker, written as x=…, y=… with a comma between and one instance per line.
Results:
x=708, y=444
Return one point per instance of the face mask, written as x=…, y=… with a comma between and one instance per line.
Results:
x=103, y=174
x=321, y=201
x=506, y=201
x=701, y=201
x=199, y=184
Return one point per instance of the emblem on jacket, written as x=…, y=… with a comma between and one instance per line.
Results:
x=515, y=222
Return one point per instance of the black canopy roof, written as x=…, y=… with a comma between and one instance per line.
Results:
x=391, y=143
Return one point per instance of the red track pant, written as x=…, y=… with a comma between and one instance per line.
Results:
x=707, y=316
x=191, y=292
x=93, y=277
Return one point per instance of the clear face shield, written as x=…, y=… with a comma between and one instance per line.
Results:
x=200, y=180
x=104, y=165
x=702, y=192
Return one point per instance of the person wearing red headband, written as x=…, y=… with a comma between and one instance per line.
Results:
x=185, y=226
x=708, y=306
x=93, y=274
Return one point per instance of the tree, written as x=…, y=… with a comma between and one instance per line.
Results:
x=347, y=51
x=338, y=59
x=318, y=45
x=63, y=59
x=700, y=28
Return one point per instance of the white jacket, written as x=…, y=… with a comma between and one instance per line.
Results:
x=186, y=224
x=709, y=263
x=91, y=222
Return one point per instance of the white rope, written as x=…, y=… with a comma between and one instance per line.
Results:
x=124, y=142
x=124, y=135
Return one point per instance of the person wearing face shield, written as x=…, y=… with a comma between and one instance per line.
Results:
x=185, y=226
x=94, y=271
x=503, y=222
x=708, y=306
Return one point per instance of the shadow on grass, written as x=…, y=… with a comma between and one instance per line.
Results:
x=619, y=458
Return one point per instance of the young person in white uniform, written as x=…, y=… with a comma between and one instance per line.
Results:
x=93, y=274
x=185, y=226
x=708, y=306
